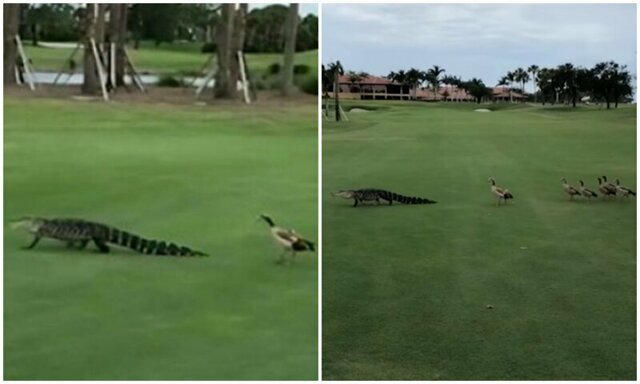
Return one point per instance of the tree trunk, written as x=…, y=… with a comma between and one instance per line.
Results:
x=238, y=43
x=34, y=34
x=290, y=31
x=225, y=86
x=90, y=84
x=336, y=86
x=100, y=23
x=117, y=36
x=10, y=28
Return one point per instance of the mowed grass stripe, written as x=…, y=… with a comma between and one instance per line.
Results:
x=198, y=177
x=406, y=287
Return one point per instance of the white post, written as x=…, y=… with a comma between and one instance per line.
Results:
x=243, y=76
x=100, y=68
x=73, y=53
x=134, y=74
x=112, y=66
x=17, y=72
x=25, y=63
x=207, y=79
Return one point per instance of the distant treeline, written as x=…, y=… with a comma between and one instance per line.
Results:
x=166, y=23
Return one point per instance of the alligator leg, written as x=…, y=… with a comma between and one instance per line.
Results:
x=101, y=245
x=33, y=243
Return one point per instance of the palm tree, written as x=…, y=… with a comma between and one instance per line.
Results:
x=334, y=72
x=476, y=88
x=433, y=77
x=533, y=70
x=521, y=76
x=354, y=77
x=399, y=77
x=510, y=77
x=414, y=77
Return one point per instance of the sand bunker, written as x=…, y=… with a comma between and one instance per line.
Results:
x=482, y=110
x=359, y=110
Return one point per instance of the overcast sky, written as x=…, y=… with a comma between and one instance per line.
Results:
x=476, y=40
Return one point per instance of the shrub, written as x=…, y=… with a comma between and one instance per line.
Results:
x=310, y=85
x=208, y=48
x=167, y=80
x=301, y=69
x=274, y=69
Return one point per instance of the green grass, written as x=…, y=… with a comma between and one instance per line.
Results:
x=406, y=288
x=163, y=59
x=195, y=176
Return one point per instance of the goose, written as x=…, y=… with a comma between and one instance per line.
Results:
x=569, y=189
x=607, y=189
x=500, y=193
x=586, y=192
x=288, y=239
x=624, y=191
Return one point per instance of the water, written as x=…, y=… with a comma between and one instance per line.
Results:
x=47, y=78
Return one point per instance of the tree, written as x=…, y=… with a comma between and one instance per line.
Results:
x=334, y=71
x=291, y=29
x=326, y=81
x=533, y=70
x=354, y=77
x=307, y=38
x=451, y=80
x=414, y=78
x=433, y=78
x=227, y=39
x=90, y=83
x=399, y=77
x=611, y=82
x=509, y=78
x=521, y=76
x=10, y=29
x=476, y=88
x=568, y=76
x=117, y=34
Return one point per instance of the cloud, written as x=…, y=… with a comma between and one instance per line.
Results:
x=425, y=25
x=477, y=40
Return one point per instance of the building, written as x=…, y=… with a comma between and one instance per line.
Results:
x=381, y=88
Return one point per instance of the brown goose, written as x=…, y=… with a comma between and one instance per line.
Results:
x=569, y=189
x=586, y=192
x=500, y=193
x=288, y=239
x=624, y=191
x=607, y=189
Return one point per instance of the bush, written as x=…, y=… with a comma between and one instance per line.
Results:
x=208, y=48
x=170, y=81
x=301, y=69
x=310, y=85
x=274, y=69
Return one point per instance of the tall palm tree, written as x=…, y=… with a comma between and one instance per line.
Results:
x=433, y=77
x=510, y=77
x=521, y=76
x=533, y=70
x=414, y=77
x=399, y=77
x=334, y=72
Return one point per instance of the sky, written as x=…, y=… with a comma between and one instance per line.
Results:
x=477, y=40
